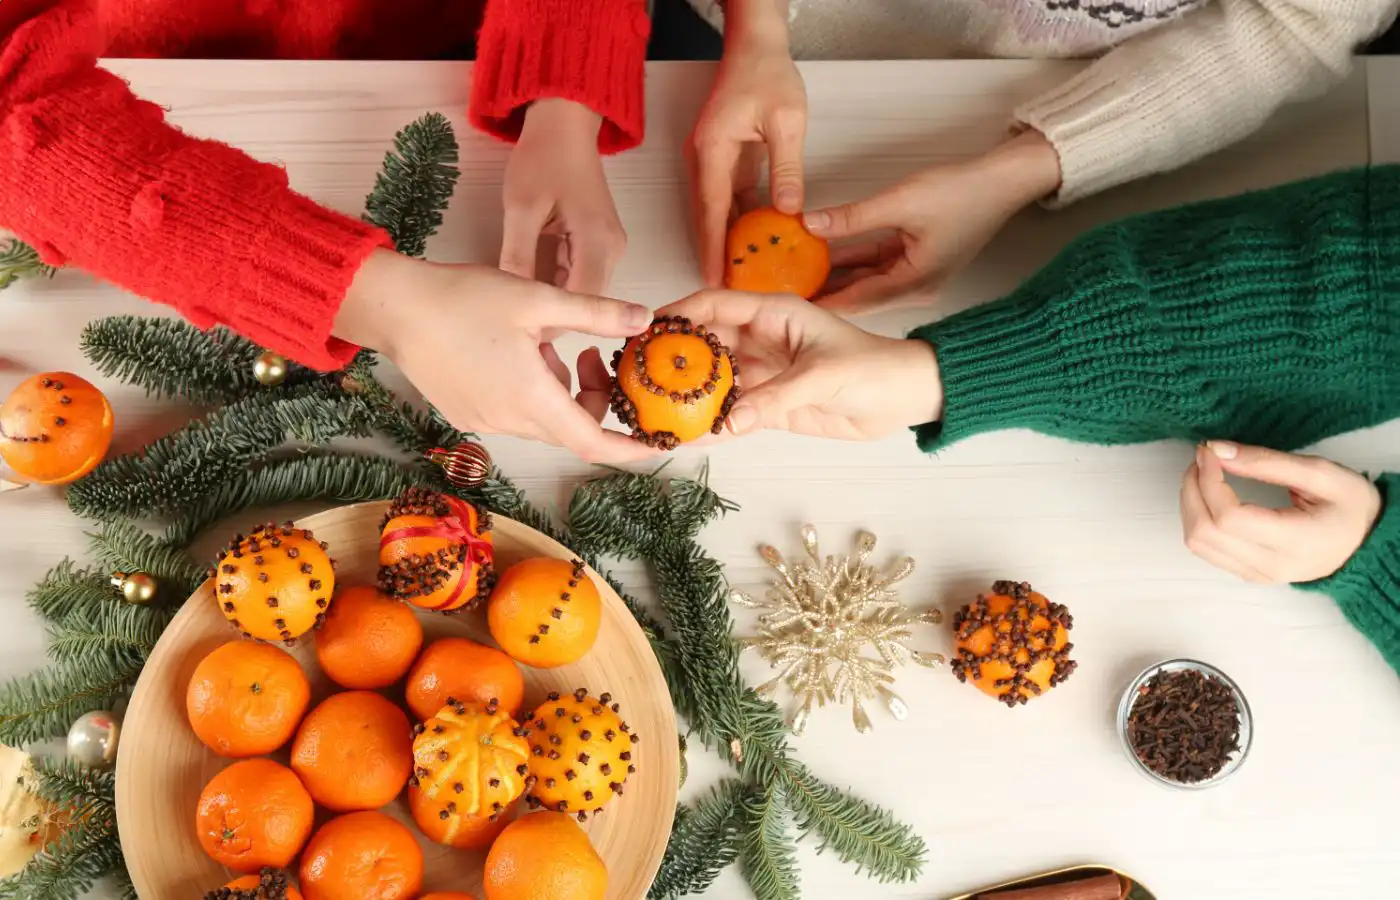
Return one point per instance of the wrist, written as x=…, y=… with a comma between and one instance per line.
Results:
x=1024, y=169
x=920, y=383
x=756, y=26
x=563, y=118
x=366, y=317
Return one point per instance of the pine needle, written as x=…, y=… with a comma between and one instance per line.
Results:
x=81, y=791
x=18, y=260
x=68, y=591
x=67, y=869
x=857, y=830
x=768, y=857
x=706, y=840
x=123, y=547
x=42, y=705
x=415, y=184
x=119, y=633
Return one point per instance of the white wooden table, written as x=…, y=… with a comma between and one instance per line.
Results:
x=1311, y=813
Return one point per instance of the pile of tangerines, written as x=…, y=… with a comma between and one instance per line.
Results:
x=480, y=770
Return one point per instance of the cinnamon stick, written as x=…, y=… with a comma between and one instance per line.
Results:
x=1100, y=887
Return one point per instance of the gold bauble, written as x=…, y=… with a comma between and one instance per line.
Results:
x=137, y=587
x=466, y=465
x=270, y=369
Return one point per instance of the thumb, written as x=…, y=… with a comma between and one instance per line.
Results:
x=785, y=136
x=850, y=219
x=1308, y=475
x=589, y=314
x=770, y=404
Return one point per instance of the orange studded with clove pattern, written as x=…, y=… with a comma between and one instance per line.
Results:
x=771, y=252
x=470, y=759
x=436, y=552
x=55, y=428
x=442, y=821
x=581, y=753
x=674, y=383
x=545, y=612
x=275, y=584
x=1013, y=643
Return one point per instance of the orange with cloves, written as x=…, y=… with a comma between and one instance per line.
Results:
x=436, y=552
x=1013, y=643
x=275, y=584
x=771, y=252
x=675, y=382
x=581, y=753
x=55, y=428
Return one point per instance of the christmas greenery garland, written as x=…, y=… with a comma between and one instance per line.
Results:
x=236, y=458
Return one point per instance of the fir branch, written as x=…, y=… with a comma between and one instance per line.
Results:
x=337, y=477
x=18, y=260
x=124, y=547
x=42, y=705
x=413, y=430
x=767, y=857
x=175, y=472
x=68, y=591
x=82, y=792
x=172, y=358
x=705, y=840
x=859, y=831
x=119, y=634
x=68, y=868
x=415, y=184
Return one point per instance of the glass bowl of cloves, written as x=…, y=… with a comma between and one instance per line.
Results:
x=1185, y=724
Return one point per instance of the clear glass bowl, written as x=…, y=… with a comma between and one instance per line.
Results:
x=1125, y=708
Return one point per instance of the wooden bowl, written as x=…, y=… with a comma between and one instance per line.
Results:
x=162, y=767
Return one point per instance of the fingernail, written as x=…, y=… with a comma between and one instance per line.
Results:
x=817, y=221
x=1224, y=449
x=787, y=199
x=637, y=316
x=741, y=419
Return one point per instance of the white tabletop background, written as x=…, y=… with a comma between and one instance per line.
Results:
x=1311, y=814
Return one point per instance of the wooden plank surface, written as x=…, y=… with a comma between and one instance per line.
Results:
x=995, y=793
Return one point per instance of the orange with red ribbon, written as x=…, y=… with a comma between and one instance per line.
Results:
x=436, y=552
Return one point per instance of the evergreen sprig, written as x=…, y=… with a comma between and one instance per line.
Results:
x=415, y=183
x=42, y=705
x=705, y=840
x=70, y=591
x=124, y=547
x=767, y=856
x=82, y=792
x=18, y=260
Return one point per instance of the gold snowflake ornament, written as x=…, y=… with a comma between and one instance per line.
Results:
x=835, y=630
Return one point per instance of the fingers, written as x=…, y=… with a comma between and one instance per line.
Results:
x=851, y=219
x=592, y=257
x=595, y=384
x=520, y=239
x=865, y=293
x=556, y=310
x=712, y=160
x=1205, y=539
x=1307, y=475
x=556, y=365
x=718, y=308
x=574, y=428
x=786, y=131
x=771, y=404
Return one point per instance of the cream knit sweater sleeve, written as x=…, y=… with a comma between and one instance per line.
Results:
x=1185, y=90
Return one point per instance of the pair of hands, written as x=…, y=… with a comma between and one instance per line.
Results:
x=911, y=237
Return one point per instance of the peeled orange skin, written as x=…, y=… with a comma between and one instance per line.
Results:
x=55, y=428
x=246, y=699
x=254, y=815
x=544, y=855
x=771, y=252
x=989, y=654
x=674, y=383
x=545, y=612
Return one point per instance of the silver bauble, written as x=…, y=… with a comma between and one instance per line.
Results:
x=92, y=741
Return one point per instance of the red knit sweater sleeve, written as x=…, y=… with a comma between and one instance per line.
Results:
x=94, y=177
x=589, y=51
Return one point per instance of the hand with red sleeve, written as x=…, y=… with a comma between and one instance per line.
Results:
x=563, y=79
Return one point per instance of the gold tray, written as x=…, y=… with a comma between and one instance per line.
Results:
x=1131, y=889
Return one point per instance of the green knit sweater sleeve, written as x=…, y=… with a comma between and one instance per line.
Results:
x=1270, y=318
x=1367, y=588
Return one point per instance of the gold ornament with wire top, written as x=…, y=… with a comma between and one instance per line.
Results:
x=270, y=369
x=136, y=587
x=836, y=631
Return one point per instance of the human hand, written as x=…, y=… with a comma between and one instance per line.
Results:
x=939, y=220
x=807, y=371
x=1333, y=510
x=476, y=342
x=555, y=185
x=758, y=102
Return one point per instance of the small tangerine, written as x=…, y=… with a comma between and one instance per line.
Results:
x=544, y=855
x=367, y=640
x=772, y=252
x=354, y=751
x=275, y=584
x=364, y=855
x=55, y=428
x=254, y=815
x=465, y=670
x=674, y=383
x=545, y=612
x=246, y=699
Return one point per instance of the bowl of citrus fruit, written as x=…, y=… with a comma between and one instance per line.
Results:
x=409, y=700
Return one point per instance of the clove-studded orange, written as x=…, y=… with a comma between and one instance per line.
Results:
x=545, y=612
x=442, y=821
x=275, y=584
x=269, y=885
x=772, y=252
x=675, y=382
x=1013, y=643
x=55, y=428
x=581, y=753
x=473, y=759
x=435, y=551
